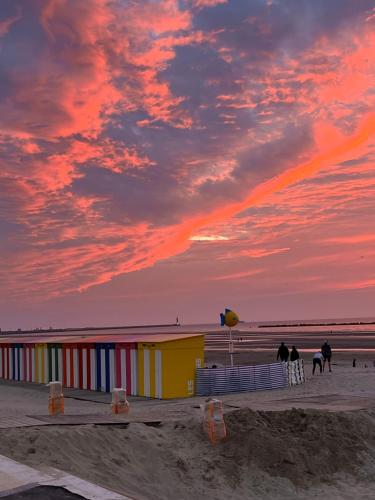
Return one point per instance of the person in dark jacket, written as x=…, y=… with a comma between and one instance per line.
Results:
x=327, y=355
x=283, y=352
x=294, y=354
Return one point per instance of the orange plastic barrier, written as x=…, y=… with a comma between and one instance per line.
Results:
x=119, y=405
x=213, y=420
x=56, y=399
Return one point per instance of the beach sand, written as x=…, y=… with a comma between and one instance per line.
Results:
x=301, y=442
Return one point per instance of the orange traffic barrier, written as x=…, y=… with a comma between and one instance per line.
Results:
x=213, y=420
x=56, y=399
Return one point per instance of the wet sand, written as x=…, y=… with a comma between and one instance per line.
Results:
x=258, y=341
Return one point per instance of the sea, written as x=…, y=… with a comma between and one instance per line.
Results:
x=347, y=335
x=350, y=325
x=344, y=334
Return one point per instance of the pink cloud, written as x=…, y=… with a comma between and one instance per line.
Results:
x=207, y=3
x=237, y=276
x=5, y=24
x=258, y=253
x=351, y=239
x=45, y=102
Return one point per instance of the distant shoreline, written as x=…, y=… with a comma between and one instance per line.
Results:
x=298, y=325
x=84, y=329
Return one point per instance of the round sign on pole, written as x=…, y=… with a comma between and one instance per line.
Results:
x=229, y=318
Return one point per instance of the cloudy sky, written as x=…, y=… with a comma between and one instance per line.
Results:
x=164, y=157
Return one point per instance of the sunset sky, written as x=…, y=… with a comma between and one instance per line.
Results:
x=177, y=157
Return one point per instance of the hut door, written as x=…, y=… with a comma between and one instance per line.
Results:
x=158, y=372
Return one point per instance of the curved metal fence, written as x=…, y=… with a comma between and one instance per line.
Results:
x=242, y=378
x=296, y=372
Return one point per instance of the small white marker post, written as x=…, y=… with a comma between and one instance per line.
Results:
x=231, y=349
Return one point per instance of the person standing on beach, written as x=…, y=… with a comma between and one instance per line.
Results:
x=283, y=352
x=294, y=354
x=317, y=360
x=327, y=355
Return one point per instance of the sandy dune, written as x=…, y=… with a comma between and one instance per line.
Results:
x=293, y=453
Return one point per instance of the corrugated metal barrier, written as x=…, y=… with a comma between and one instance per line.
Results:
x=243, y=378
x=296, y=372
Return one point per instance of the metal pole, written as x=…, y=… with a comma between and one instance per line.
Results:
x=230, y=346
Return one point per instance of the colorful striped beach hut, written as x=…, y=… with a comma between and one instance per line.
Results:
x=127, y=367
x=54, y=362
x=152, y=365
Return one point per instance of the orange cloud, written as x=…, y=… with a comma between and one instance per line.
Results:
x=290, y=176
x=369, y=283
x=166, y=243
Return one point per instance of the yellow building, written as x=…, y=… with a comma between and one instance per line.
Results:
x=166, y=366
